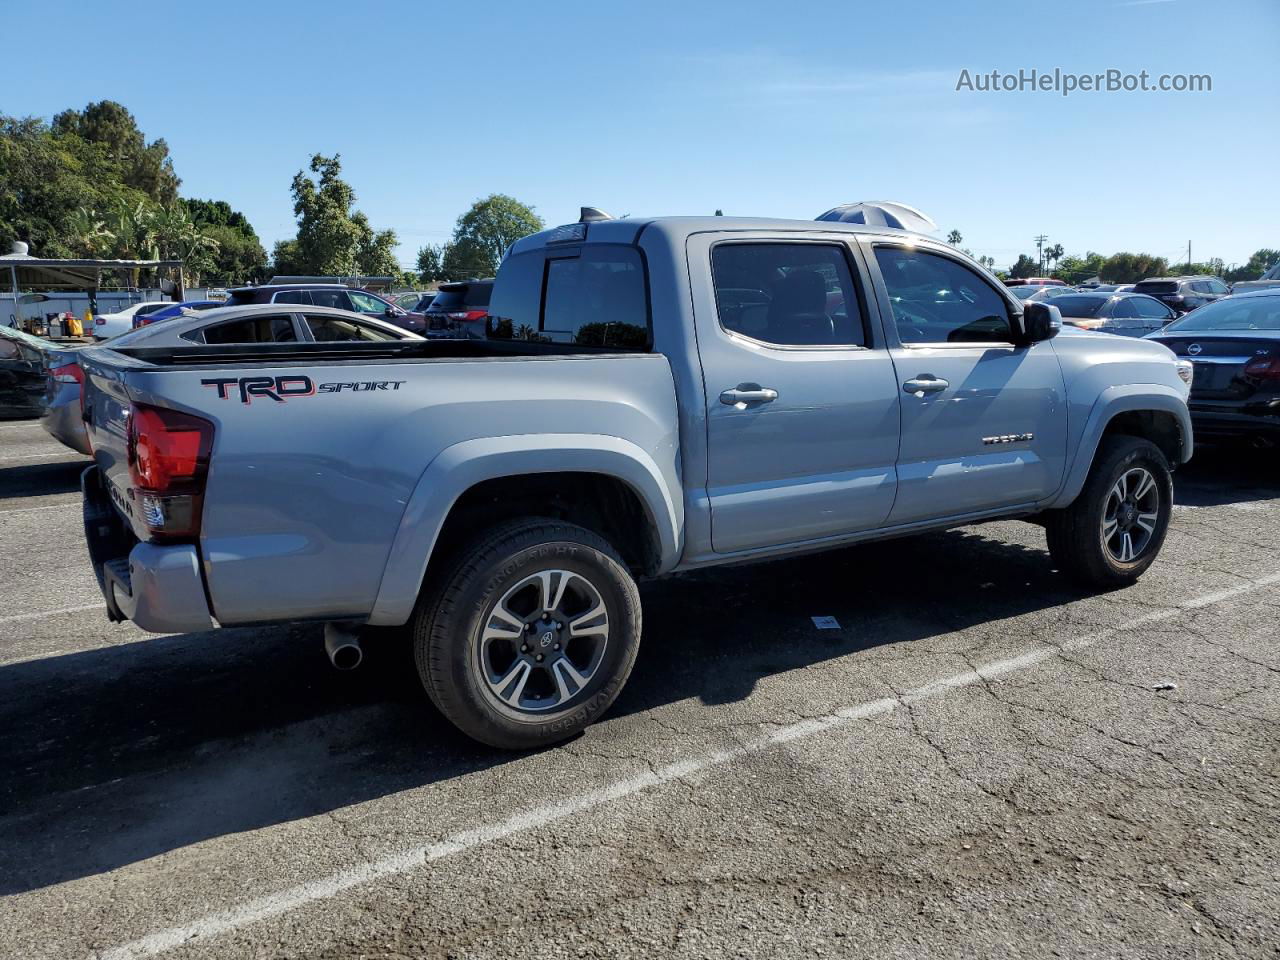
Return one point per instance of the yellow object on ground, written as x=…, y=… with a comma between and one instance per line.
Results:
x=74, y=327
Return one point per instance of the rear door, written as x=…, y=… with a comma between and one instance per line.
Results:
x=801, y=398
x=983, y=420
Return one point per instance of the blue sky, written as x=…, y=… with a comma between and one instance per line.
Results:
x=759, y=108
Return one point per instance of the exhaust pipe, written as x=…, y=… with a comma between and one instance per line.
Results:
x=342, y=644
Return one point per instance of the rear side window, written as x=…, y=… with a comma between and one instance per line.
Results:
x=271, y=329
x=594, y=296
x=1150, y=308
x=341, y=330
x=789, y=294
x=1156, y=286
x=292, y=296
x=331, y=298
x=1079, y=306
x=1124, y=309
x=597, y=299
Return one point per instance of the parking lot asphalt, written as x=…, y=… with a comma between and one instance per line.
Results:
x=980, y=761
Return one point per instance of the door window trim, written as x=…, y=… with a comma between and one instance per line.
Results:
x=1012, y=308
x=851, y=263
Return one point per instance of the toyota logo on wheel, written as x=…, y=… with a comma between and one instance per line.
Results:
x=547, y=638
x=1194, y=349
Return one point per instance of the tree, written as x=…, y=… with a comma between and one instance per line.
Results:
x=483, y=234
x=955, y=238
x=240, y=256
x=431, y=263
x=1258, y=264
x=1054, y=253
x=375, y=251
x=1132, y=267
x=719, y=212
x=334, y=240
x=1025, y=267
x=286, y=259
x=144, y=166
x=1077, y=269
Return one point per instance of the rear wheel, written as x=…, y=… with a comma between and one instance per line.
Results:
x=529, y=635
x=1113, y=531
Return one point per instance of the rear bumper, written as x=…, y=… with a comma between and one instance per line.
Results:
x=158, y=587
x=1222, y=424
x=62, y=419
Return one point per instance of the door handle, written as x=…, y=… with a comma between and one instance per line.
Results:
x=747, y=394
x=925, y=383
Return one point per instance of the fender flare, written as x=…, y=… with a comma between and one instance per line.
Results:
x=1113, y=401
x=461, y=466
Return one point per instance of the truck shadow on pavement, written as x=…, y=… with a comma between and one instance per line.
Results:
x=121, y=753
x=41, y=479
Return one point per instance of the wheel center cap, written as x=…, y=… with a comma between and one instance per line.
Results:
x=544, y=636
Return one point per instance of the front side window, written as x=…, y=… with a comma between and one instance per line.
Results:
x=364, y=303
x=789, y=294
x=938, y=300
x=341, y=330
x=1150, y=308
x=256, y=329
x=596, y=299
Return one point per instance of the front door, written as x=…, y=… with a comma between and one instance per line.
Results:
x=801, y=400
x=983, y=421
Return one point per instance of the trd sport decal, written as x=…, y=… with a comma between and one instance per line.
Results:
x=281, y=389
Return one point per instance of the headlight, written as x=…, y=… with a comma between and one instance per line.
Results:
x=1186, y=371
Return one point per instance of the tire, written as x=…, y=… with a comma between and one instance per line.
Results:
x=1078, y=540
x=488, y=606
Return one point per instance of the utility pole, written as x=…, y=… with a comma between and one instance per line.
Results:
x=1040, y=251
x=1188, y=256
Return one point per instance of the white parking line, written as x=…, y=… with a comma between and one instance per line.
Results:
x=16, y=618
x=284, y=901
x=46, y=456
x=53, y=506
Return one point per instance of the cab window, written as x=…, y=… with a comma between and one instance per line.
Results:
x=938, y=300
x=788, y=294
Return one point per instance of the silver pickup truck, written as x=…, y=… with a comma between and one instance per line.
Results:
x=651, y=395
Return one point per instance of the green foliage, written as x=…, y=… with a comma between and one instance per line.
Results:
x=89, y=185
x=1261, y=261
x=431, y=263
x=483, y=234
x=955, y=238
x=333, y=239
x=240, y=256
x=1132, y=267
x=1025, y=267
x=145, y=167
x=1079, y=269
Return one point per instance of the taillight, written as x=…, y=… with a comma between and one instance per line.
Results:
x=169, y=463
x=1263, y=368
x=468, y=315
x=98, y=321
x=68, y=373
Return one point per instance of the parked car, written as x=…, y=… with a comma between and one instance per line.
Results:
x=1039, y=291
x=321, y=295
x=266, y=323
x=250, y=324
x=676, y=394
x=106, y=325
x=63, y=413
x=24, y=360
x=1105, y=288
x=1270, y=279
x=1234, y=347
x=174, y=310
x=459, y=310
x=409, y=300
x=1183, y=294
x=1035, y=282
x=1125, y=314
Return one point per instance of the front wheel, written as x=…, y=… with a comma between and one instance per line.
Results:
x=530, y=635
x=1113, y=531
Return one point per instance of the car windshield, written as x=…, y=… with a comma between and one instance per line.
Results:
x=1251, y=313
x=1075, y=305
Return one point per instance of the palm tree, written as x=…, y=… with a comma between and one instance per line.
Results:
x=954, y=238
x=88, y=232
x=1055, y=253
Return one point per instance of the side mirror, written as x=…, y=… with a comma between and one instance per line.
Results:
x=1040, y=321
